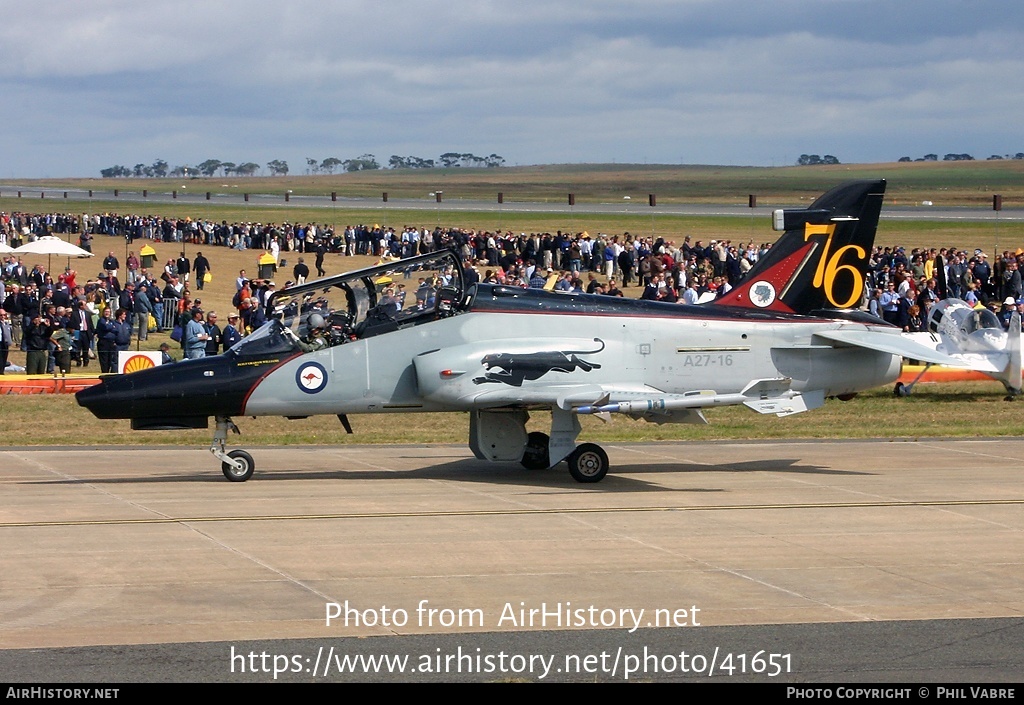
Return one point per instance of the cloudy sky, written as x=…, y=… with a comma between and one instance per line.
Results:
x=87, y=84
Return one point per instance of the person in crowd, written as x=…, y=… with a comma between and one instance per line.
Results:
x=300, y=271
x=106, y=341
x=195, y=336
x=215, y=336
x=232, y=334
x=62, y=339
x=165, y=355
x=142, y=309
x=6, y=339
x=37, y=338
x=201, y=266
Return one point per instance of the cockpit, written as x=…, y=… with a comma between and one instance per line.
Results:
x=975, y=329
x=362, y=304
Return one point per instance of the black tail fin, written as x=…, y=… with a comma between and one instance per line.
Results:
x=822, y=259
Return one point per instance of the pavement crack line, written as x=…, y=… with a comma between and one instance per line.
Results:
x=212, y=539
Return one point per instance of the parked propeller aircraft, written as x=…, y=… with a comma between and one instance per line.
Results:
x=971, y=338
x=779, y=343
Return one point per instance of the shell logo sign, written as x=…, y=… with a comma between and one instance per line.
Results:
x=129, y=361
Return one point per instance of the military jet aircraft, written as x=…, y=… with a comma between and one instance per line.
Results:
x=780, y=343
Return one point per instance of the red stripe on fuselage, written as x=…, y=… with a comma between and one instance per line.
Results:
x=245, y=401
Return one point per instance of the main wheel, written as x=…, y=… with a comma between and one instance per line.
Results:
x=233, y=473
x=901, y=390
x=535, y=457
x=588, y=463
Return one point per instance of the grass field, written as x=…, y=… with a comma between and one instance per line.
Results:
x=944, y=183
x=967, y=409
x=934, y=410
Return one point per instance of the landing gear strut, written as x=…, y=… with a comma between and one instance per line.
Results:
x=904, y=390
x=587, y=462
x=237, y=465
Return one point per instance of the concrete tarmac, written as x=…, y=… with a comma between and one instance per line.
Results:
x=849, y=556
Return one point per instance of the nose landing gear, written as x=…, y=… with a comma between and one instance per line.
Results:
x=237, y=465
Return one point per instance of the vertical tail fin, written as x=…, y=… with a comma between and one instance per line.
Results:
x=1010, y=377
x=821, y=260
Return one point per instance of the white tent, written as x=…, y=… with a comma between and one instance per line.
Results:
x=50, y=245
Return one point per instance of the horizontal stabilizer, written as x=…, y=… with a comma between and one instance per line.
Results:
x=788, y=219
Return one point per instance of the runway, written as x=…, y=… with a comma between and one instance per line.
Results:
x=468, y=205
x=849, y=556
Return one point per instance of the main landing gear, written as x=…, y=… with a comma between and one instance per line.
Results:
x=587, y=463
x=500, y=435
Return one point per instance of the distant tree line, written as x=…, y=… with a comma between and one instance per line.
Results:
x=806, y=159
x=279, y=167
x=369, y=162
x=960, y=157
x=160, y=169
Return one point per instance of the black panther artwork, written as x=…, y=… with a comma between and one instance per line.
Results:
x=515, y=368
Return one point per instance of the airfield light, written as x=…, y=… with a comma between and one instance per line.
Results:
x=437, y=207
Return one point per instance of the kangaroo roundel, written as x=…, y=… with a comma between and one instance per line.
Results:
x=311, y=377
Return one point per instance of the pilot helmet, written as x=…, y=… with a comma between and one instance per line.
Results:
x=315, y=320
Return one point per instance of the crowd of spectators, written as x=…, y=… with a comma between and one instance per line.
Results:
x=100, y=316
x=904, y=286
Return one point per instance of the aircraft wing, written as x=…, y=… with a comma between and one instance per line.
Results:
x=916, y=346
x=568, y=375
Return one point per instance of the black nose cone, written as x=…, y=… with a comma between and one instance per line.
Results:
x=189, y=390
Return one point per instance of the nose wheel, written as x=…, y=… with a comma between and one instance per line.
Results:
x=237, y=465
x=241, y=469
